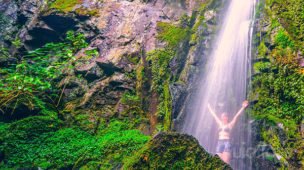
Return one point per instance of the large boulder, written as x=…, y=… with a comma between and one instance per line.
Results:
x=174, y=151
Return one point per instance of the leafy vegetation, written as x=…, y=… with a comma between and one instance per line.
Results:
x=73, y=5
x=40, y=142
x=33, y=81
x=171, y=34
x=291, y=15
x=65, y=5
x=278, y=84
x=283, y=40
x=159, y=65
x=160, y=60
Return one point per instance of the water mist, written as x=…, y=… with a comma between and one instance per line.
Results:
x=224, y=83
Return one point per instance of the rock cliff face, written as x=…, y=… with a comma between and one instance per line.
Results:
x=150, y=54
x=123, y=32
x=146, y=66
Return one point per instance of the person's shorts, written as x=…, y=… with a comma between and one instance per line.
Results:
x=223, y=145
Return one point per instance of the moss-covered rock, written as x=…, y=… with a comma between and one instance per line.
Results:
x=31, y=127
x=277, y=91
x=174, y=151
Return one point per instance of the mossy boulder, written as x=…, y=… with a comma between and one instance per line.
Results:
x=31, y=127
x=174, y=151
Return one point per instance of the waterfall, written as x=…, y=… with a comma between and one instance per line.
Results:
x=224, y=84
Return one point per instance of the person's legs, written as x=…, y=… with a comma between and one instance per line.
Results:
x=226, y=154
x=226, y=157
x=220, y=149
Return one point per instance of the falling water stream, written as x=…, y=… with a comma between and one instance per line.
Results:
x=224, y=84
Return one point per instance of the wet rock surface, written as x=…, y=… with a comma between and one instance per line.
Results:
x=193, y=63
x=175, y=151
x=119, y=30
x=263, y=156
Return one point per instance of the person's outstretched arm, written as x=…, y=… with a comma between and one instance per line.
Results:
x=214, y=115
x=245, y=104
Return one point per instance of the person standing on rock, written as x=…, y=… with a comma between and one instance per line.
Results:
x=223, y=148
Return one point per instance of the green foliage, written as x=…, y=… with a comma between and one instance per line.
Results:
x=274, y=23
x=280, y=92
x=168, y=108
x=171, y=34
x=282, y=39
x=31, y=127
x=3, y=129
x=184, y=21
x=278, y=86
x=73, y=5
x=160, y=60
x=291, y=16
x=83, y=11
x=164, y=108
x=261, y=66
x=130, y=99
x=159, y=64
x=65, y=5
x=262, y=50
x=258, y=10
x=4, y=54
x=42, y=146
x=32, y=81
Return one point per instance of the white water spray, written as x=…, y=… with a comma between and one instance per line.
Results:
x=224, y=83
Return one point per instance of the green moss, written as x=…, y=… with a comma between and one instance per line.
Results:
x=83, y=11
x=140, y=77
x=278, y=86
x=283, y=40
x=272, y=138
x=31, y=127
x=132, y=59
x=262, y=50
x=260, y=67
x=160, y=60
x=39, y=143
x=291, y=15
x=71, y=5
x=171, y=34
x=274, y=24
x=65, y=5
x=168, y=108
